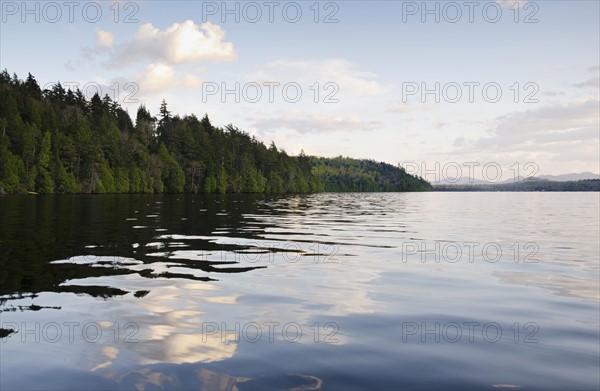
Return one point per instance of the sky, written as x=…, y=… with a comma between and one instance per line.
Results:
x=486, y=89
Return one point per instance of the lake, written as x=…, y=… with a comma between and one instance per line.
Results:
x=326, y=291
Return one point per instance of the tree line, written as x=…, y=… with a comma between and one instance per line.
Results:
x=57, y=141
x=581, y=185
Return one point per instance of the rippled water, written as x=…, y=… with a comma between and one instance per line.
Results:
x=327, y=291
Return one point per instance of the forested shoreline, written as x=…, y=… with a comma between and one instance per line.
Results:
x=56, y=141
x=581, y=185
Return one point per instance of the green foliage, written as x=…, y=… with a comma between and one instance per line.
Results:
x=30, y=179
x=172, y=173
x=11, y=171
x=210, y=184
x=57, y=141
x=222, y=181
x=44, y=155
x=44, y=183
x=352, y=175
x=107, y=179
x=65, y=181
x=121, y=180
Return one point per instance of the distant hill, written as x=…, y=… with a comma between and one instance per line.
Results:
x=541, y=178
x=360, y=175
x=465, y=180
x=571, y=177
x=527, y=185
x=555, y=178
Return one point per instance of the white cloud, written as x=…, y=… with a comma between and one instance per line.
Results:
x=594, y=69
x=547, y=135
x=402, y=109
x=157, y=77
x=593, y=83
x=104, y=39
x=302, y=122
x=405, y=108
x=557, y=138
x=192, y=81
x=553, y=93
x=350, y=81
x=180, y=43
x=540, y=124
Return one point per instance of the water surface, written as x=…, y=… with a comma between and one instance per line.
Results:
x=326, y=291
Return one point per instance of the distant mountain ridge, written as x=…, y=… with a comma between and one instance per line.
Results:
x=571, y=177
x=528, y=185
x=541, y=178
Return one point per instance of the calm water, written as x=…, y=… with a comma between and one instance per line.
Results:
x=328, y=291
